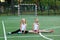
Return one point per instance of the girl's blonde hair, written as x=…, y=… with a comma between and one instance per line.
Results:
x=36, y=19
x=23, y=19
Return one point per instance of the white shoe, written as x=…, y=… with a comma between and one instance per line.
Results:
x=9, y=33
x=19, y=32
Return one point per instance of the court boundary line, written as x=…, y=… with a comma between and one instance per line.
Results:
x=30, y=36
x=45, y=37
x=5, y=37
x=52, y=27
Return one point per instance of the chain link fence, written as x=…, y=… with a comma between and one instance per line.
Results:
x=48, y=7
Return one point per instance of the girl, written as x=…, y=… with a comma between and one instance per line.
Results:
x=22, y=27
x=36, y=28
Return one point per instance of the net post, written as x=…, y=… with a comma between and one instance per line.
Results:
x=35, y=10
x=19, y=2
x=18, y=9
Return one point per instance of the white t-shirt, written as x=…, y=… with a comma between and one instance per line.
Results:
x=35, y=26
x=23, y=26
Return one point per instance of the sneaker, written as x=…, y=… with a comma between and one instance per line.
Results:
x=9, y=33
x=19, y=32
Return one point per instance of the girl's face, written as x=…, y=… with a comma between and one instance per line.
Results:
x=36, y=20
x=23, y=21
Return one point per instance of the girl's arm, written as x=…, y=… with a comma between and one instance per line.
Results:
x=33, y=27
x=25, y=28
x=20, y=27
x=38, y=26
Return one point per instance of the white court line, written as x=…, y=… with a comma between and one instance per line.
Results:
x=52, y=35
x=53, y=27
x=47, y=29
x=45, y=37
x=4, y=30
x=30, y=36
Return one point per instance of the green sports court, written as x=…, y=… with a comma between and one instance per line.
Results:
x=47, y=11
x=46, y=22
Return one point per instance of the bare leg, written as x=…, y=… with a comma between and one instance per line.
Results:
x=43, y=31
x=32, y=31
x=46, y=31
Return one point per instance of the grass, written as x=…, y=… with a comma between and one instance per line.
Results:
x=12, y=23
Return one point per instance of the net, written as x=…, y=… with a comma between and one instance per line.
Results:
x=27, y=9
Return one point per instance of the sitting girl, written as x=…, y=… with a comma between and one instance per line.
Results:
x=22, y=28
x=36, y=28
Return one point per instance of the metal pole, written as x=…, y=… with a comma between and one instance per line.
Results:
x=18, y=7
x=36, y=10
x=36, y=2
